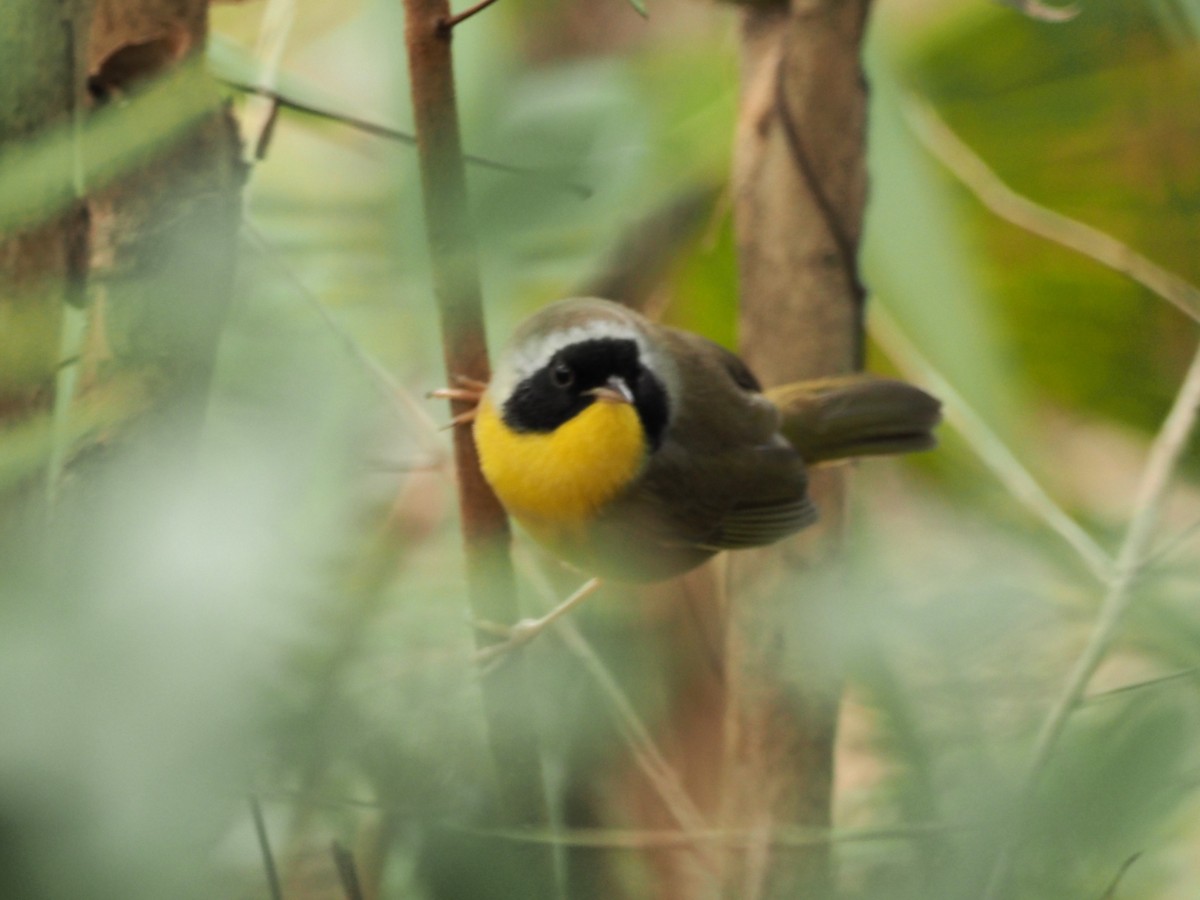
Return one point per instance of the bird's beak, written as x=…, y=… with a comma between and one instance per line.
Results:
x=615, y=390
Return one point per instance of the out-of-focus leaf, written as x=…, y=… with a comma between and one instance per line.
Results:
x=1094, y=120
x=1043, y=12
x=915, y=260
x=38, y=178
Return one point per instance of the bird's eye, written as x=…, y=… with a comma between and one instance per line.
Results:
x=562, y=375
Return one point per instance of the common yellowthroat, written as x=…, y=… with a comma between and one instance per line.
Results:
x=636, y=451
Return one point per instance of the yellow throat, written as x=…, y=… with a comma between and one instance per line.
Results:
x=561, y=478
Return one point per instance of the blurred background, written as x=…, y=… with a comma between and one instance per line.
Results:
x=268, y=616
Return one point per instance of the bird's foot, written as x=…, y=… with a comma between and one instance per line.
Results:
x=468, y=390
x=524, y=631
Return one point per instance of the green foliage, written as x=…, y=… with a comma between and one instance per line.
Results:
x=1095, y=119
x=279, y=610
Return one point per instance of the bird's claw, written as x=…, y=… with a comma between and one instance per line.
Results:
x=469, y=390
x=514, y=636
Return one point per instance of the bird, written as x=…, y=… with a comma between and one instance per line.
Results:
x=635, y=451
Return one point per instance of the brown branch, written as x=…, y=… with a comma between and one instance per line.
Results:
x=491, y=585
x=847, y=247
x=799, y=186
x=447, y=24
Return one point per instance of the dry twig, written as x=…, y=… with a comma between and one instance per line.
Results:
x=950, y=150
x=282, y=101
x=646, y=754
x=988, y=446
x=449, y=22
x=259, y=117
x=1156, y=477
x=407, y=408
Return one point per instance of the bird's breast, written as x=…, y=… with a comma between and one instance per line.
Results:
x=561, y=478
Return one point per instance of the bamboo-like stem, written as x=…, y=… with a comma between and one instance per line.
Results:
x=1160, y=466
x=491, y=585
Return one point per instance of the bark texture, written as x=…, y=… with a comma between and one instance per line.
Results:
x=164, y=235
x=150, y=254
x=799, y=185
x=39, y=91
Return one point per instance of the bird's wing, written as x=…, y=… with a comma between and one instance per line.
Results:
x=724, y=477
x=756, y=524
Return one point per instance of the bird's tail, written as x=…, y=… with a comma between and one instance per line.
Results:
x=856, y=415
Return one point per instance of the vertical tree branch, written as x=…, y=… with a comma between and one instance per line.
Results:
x=491, y=585
x=799, y=193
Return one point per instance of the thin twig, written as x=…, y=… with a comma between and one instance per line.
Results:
x=648, y=757
x=347, y=871
x=1173, y=544
x=782, y=836
x=400, y=399
x=953, y=153
x=267, y=132
x=987, y=445
x=1160, y=466
x=1156, y=477
x=527, y=629
x=1111, y=893
x=363, y=125
x=386, y=132
x=264, y=846
x=261, y=113
x=447, y=24
x=618, y=838
x=1185, y=675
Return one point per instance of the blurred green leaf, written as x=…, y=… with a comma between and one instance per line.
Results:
x=37, y=178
